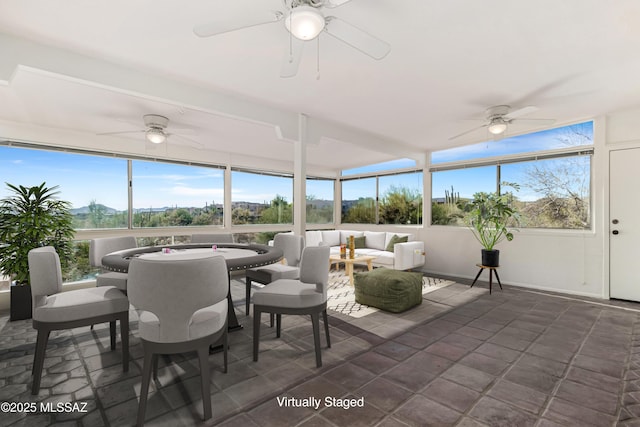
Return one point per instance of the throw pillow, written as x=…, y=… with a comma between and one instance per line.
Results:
x=359, y=242
x=396, y=239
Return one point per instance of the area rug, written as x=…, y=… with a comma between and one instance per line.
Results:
x=341, y=296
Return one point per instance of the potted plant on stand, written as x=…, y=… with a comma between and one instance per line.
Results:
x=489, y=217
x=31, y=217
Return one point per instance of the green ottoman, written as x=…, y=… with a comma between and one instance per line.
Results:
x=387, y=289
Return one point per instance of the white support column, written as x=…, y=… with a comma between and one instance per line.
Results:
x=337, y=201
x=300, y=178
x=227, y=198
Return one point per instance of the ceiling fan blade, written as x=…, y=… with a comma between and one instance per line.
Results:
x=239, y=22
x=121, y=132
x=291, y=58
x=521, y=112
x=468, y=132
x=334, y=3
x=187, y=141
x=535, y=121
x=356, y=38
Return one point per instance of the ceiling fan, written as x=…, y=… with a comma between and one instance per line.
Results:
x=304, y=20
x=498, y=118
x=156, y=130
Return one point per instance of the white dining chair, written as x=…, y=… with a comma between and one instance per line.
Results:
x=182, y=307
x=291, y=246
x=304, y=296
x=54, y=309
x=98, y=248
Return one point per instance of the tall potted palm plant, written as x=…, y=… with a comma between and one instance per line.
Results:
x=490, y=217
x=31, y=217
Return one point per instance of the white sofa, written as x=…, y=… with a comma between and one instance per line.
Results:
x=404, y=256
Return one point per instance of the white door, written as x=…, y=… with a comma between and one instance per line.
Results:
x=624, y=224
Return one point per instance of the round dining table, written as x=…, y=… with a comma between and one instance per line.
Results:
x=238, y=257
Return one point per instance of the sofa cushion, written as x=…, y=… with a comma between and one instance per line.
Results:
x=389, y=290
x=313, y=238
x=344, y=235
x=376, y=239
x=396, y=239
x=389, y=236
x=331, y=237
x=360, y=242
x=383, y=257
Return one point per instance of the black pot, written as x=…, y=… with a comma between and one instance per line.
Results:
x=20, y=302
x=491, y=258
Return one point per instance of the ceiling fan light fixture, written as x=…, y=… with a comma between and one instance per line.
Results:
x=497, y=126
x=305, y=22
x=156, y=135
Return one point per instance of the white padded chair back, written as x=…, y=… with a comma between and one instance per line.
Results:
x=212, y=238
x=105, y=245
x=292, y=247
x=174, y=290
x=314, y=267
x=45, y=274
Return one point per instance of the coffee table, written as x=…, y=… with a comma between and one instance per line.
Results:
x=348, y=263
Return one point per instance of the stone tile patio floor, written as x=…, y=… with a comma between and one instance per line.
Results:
x=464, y=357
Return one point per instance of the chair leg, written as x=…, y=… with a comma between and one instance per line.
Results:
x=271, y=315
x=225, y=343
x=278, y=324
x=38, y=358
x=112, y=333
x=256, y=332
x=248, y=282
x=144, y=389
x=205, y=378
x=325, y=317
x=124, y=339
x=155, y=366
x=315, y=321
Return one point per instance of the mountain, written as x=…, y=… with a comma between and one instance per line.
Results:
x=84, y=210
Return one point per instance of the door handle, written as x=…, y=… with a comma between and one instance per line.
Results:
x=616, y=232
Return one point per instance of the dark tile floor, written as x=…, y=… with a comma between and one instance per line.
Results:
x=464, y=357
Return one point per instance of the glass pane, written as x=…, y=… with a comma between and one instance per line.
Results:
x=563, y=137
x=450, y=190
x=170, y=195
x=400, y=198
x=95, y=186
x=320, y=201
x=553, y=193
x=261, y=199
x=358, y=201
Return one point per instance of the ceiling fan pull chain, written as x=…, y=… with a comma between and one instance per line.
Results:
x=318, y=59
x=290, y=42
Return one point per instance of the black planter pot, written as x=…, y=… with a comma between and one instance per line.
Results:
x=20, y=302
x=491, y=258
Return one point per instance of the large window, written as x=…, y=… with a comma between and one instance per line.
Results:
x=95, y=186
x=550, y=187
x=171, y=195
x=359, y=201
x=320, y=196
x=383, y=199
x=261, y=198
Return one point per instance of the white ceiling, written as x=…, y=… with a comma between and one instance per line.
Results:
x=449, y=61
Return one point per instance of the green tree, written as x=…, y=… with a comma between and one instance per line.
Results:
x=362, y=212
x=400, y=205
x=240, y=216
x=97, y=213
x=278, y=212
